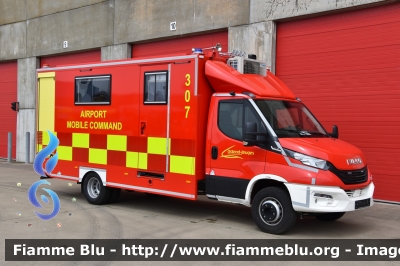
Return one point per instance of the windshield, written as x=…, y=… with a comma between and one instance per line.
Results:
x=290, y=119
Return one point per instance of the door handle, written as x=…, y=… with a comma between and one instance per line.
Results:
x=142, y=127
x=214, y=152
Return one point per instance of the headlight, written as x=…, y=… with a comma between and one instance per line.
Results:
x=307, y=160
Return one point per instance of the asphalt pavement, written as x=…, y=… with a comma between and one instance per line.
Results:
x=138, y=216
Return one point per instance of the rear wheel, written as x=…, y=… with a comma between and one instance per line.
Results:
x=330, y=216
x=272, y=210
x=94, y=191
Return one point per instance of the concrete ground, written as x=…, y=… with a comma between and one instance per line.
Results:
x=138, y=216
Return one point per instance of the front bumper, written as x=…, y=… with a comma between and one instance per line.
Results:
x=310, y=198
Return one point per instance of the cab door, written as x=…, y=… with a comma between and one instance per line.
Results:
x=232, y=164
x=153, y=142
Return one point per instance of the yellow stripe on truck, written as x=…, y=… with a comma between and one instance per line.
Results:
x=182, y=164
x=157, y=145
x=45, y=138
x=116, y=142
x=98, y=156
x=142, y=160
x=185, y=165
x=46, y=101
x=132, y=159
x=47, y=75
x=64, y=153
x=80, y=140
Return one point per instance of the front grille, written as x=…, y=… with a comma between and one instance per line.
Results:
x=349, y=177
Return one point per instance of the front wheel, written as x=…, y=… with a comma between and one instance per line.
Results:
x=272, y=210
x=330, y=216
x=94, y=191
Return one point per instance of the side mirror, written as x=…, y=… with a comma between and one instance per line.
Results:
x=250, y=134
x=335, y=132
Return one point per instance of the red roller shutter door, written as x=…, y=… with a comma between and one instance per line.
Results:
x=70, y=59
x=180, y=45
x=8, y=88
x=346, y=69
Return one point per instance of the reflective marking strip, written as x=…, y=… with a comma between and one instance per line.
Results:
x=152, y=190
x=98, y=156
x=232, y=200
x=157, y=145
x=196, y=69
x=307, y=204
x=182, y=165
x=312, y=169
x=64, y=153
x=80, y=140
x=116, y=142
x=39, y=147
x=127, y=62
x=65, y=177
x=132, y=159
x=142, y=160
x=168, y=117
x=313, y=181
x=256, y=178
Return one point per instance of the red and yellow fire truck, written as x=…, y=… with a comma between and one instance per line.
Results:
x=207, y=122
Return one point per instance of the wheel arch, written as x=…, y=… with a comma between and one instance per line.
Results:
x=85, y=171
x=262, y=181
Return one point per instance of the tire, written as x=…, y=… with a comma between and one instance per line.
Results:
x=272, y=210
x=94, y=191
x=115, y=193
x=330, y=216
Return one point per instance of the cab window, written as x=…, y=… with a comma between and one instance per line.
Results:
x=230, y=119
x=234, y=114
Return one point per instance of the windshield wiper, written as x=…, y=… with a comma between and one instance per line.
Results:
x=288, y=130
x=316, y=133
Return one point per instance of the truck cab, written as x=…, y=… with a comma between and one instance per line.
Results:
x=265, y=149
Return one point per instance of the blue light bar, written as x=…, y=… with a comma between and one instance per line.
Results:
x=197, y=50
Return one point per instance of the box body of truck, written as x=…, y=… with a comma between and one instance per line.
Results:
x=147, y=133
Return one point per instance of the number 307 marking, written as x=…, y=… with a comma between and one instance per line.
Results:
x=187, y=83
x=187, y=111
x=187, y=95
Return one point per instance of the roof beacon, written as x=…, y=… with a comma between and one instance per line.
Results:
x=197, y=50
x=217, y=47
